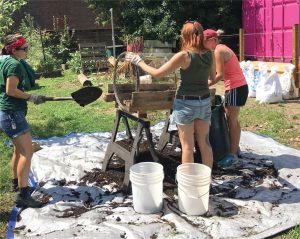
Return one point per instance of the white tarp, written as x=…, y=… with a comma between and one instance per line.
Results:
x=268, y=207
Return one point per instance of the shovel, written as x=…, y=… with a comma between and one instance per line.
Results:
x=83, y=96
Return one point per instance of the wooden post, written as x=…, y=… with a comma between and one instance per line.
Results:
x=296, y=55
x=242, y=44
x=84, y=80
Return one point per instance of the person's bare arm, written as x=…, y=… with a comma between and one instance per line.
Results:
x=12, y=90
x=219, y=58
x=180, y=59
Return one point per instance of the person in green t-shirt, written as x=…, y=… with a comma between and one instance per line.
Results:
x=13, y=108
x=192, y=106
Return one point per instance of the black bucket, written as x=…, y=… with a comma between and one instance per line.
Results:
x=218, y=132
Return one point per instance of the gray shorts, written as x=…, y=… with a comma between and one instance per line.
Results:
x=186, y=111
x=13, y=123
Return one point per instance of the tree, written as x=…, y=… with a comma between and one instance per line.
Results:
x=162, y=19
x=7, y=8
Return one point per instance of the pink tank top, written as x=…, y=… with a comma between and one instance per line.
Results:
x=233, y=75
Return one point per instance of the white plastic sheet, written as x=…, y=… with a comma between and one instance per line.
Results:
x=258, y=212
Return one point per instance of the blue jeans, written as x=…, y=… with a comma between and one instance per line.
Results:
x=186, y=111
x=13, y=123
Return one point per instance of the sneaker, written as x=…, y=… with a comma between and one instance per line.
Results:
x=15, y=189
x=227, y=161
x=24, y=199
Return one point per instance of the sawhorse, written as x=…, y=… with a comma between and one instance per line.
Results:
x=129, y=156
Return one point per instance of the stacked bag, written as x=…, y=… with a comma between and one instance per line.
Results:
x=269, y=88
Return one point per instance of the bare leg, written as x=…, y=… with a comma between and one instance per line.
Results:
x=202, y=136
x=186, y=136
x=232, y=113
x=14, y=162
x=23, y=149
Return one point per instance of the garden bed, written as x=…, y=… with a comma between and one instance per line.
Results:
x=50, y=74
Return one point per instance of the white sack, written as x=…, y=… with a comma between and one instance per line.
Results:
x=250, y=76
x=287, y=83
x=269, y=89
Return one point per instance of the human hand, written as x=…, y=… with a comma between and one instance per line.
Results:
x=133, y=58
x=37, y=99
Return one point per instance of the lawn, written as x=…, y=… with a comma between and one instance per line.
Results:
x=279, y=121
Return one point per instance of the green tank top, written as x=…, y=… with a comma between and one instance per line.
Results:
x=9, y=66
x=194, y=79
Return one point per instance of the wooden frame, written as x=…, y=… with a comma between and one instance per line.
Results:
x=149, y=97
x=93, y=56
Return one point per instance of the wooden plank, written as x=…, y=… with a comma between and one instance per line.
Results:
x=143, y=87
x=110, y=97
x=242, y=44
x=93, y=59
x=93, y=54
x=296, y=55
x=147, y=100
x=153, y=106
x=99, y=44
x=280, y=65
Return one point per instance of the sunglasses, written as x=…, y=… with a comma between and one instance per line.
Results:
x=193, y=22
x=190, y=21
x=22, y=49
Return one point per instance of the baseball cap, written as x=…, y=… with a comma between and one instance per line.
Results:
x=209, y=33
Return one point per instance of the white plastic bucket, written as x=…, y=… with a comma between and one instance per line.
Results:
x=147, y=187
x=193, y=188
x=146, y=79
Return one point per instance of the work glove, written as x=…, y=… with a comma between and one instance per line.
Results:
x=133, y=58
x=37, y=99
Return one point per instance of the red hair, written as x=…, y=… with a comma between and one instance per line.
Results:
x=192, y=36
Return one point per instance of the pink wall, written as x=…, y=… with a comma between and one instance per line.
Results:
x=268, y=28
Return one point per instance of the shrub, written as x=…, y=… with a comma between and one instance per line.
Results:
x=74, y=63
x=39, y=56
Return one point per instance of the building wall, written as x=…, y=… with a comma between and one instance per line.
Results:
x=268, y=28
x=79, y=17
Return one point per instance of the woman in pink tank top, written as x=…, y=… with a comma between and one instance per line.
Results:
x=236, y=90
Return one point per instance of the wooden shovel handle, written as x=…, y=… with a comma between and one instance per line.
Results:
x=49, y=98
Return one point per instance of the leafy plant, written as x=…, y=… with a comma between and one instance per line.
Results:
x=40, y=56
x=74, y=63
x=63, y=40
x=7, y=8
x=163, y=19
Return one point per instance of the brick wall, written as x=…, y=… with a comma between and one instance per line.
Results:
x=79, y=17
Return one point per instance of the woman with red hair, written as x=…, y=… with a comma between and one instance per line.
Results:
x=192, y=106
x=13, y=108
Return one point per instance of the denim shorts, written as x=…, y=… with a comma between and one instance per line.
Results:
x=186, y=111
x=13, y=123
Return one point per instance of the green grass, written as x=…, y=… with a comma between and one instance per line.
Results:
x=60, y=118
x=271, y=121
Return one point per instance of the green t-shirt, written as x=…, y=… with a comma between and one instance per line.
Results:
x=9, y=66
x=194, y=79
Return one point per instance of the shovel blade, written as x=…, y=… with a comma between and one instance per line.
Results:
x=86, y=95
